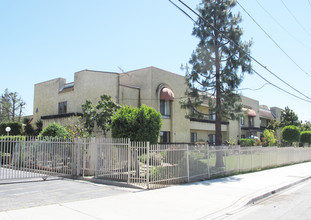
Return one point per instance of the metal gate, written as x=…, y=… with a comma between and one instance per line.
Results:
x=27, y=158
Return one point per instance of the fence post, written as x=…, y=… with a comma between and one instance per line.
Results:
x=252, y=159
x=188, y=171
x=128, y=160
x=148, y=155
x=96, y=160
x=78, y=148
x=261, y=154
x=208, y=168
x=239, y=158
x=226, y=152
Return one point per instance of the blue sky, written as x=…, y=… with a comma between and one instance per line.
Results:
x=41, y=40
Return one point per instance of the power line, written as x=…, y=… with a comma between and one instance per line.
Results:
x=280, y=87
x=273, y=39
x=278, y=23
x=255, y=89
x=296, y=18
x=182, y=11
x=214, y=28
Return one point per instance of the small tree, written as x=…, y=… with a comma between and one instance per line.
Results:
x=11, y=106
x=39, y=126
x=55, y=130
x=289, y=118
x=100, y=114
x=305, y=137
x=138, y=124
x=76, y=127
x=28, y=130
x=273, y=125
x=291, y=134
x=306, y=126
x=269, y=138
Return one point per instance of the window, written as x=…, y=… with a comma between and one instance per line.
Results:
x=212, y=139
x=212, y=115
x=250, y=121
x=165, y=137
x=242, y=122
x=62, y=107
x=194, y=137
x=165, y=110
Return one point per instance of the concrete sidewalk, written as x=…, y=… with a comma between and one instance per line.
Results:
x=214, y=199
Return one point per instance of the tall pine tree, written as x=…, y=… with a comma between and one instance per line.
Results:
x=218, y=64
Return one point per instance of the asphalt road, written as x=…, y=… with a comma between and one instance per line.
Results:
x=31, y=194
x=294, y=203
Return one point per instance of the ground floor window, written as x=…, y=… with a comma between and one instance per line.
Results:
x=165, y=137
x=194, y=137
x=212, y=139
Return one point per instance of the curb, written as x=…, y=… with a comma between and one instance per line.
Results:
x=258, y=198
x=246, y=200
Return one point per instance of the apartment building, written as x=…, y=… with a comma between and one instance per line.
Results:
x=57, y=101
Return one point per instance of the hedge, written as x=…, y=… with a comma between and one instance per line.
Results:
x=16, y=128
x=247, y=142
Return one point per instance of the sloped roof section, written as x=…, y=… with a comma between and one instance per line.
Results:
x=266, y=113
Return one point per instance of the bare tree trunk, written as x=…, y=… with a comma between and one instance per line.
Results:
x=219, y=154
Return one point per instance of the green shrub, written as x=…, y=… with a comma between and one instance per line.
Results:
x=8, y=143
x=39, y=126
x=291, y=134
x=138, y=124
x=16, y=128
x=55, y=130
x=269, y=138
x=305, y=137
x=247, y=142
x=28, y=130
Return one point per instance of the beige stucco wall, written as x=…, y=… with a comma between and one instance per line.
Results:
x=151, y=80
x=253, y=104
x=126, y=89
x=129, y=96
x=87, y=85
x=46, y=97
x=92, y=84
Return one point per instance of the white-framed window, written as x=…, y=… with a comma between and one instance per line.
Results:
x=194, y=137
x=62, y=107
x=165, y=108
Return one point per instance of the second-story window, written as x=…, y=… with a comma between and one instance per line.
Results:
x=212, y=115
x=62, y=107
x=166, y=100
x=242, y=121
x=165, y=110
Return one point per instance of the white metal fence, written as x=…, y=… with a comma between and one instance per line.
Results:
x=137, y=163
x=155, y=166
x=24, y=158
